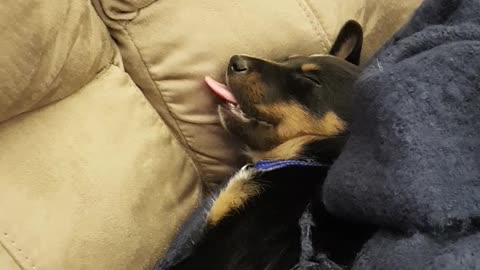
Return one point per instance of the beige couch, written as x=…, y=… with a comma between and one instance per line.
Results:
x=108, y=135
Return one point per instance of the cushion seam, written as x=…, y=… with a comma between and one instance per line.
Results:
x=181, y=134
x=158, y=118
x=17, y=250
x=314, y=22
x=150, y=107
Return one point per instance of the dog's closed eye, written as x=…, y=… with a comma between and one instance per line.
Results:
x=309, y=77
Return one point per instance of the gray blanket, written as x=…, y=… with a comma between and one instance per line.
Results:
x=412, y=164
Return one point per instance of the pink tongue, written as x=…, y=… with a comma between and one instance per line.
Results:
x=221, y=90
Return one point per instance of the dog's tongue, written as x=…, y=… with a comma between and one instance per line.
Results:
x=221, y=90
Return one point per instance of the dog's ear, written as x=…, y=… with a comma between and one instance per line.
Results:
x=348, y=44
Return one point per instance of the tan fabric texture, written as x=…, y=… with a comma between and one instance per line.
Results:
x=49, y=49
x=168, y=46
x=6, y=260
x=94, y=181
x=99, y=166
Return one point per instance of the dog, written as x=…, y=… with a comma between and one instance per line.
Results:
x=293, y=117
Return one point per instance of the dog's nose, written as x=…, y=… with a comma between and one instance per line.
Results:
x=239, y=64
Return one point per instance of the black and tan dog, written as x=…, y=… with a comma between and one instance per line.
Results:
x=293, y=116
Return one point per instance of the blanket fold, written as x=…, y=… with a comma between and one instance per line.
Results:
x=412, y=164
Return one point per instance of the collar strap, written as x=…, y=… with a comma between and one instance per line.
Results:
x=270, y=165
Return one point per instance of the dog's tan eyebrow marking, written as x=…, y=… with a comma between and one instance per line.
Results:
x=309, y=67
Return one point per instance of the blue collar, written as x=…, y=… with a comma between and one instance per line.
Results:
x=270, y=165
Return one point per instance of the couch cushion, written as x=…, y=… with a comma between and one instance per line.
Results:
x=7, y=261
x=48, y=50
x=169, y=46
x=94, y=181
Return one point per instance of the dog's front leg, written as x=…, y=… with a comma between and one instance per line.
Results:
x=240, y=188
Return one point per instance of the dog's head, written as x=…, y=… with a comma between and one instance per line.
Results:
x=270, y=103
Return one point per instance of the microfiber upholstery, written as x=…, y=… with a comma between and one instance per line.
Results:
x=412, y=164
x=7, y=261
x=90, y=175
x=94, y=181
x=49, y=50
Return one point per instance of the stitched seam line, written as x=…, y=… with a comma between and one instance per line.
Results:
x=315, y=23
x=121, y=26
x=19, y=251
x=158, y=119
x=189, y=150
x=12, y=256
x=319, y=24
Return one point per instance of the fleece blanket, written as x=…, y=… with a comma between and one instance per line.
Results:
x=412, y=164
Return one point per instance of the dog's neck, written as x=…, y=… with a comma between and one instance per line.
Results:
x=311, y=147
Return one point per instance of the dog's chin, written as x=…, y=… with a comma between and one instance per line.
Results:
x=254, y=133
x=234, y=120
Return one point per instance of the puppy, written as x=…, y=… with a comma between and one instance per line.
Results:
x=293, y=116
